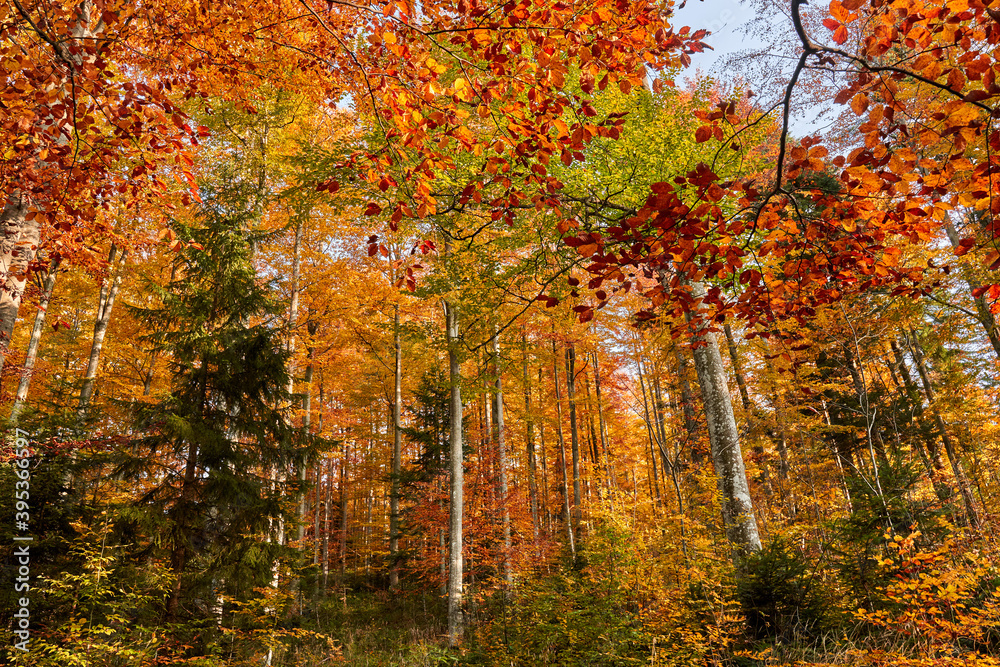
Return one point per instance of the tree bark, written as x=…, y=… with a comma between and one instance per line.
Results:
x=105, y=305
x=397, y=452
x=36, y=336
x=956, y=463
x=985, y=315
x=687, y=399
x=737, y=507
x=737, y=369
x=612, y=479
x=456, y=625
x=573, y=432
x=530, y=439
x=657, y=498
x=293, y=306
x=17, y=249
x=562, y=454
x=500, y=436
x=343, y=511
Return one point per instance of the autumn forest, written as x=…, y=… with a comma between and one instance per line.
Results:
x=499, y=332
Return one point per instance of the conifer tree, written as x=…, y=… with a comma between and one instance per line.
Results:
x=221, y=429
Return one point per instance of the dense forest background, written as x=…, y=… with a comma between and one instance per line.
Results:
x=485, y=333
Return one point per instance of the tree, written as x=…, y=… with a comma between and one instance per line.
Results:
x=222, y=426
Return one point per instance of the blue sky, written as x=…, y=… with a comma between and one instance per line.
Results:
x=723, y=18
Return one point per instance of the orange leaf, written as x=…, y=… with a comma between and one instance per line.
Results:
x=859, y=104
x=839, y=12
x=956, y=79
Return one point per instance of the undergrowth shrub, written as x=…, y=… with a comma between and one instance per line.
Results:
x=780, y=594
x=942, y=607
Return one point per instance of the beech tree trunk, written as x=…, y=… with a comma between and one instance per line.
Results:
x=657, y=498
x=304, y=462
x=397, y=453
x=985, y=315
x=36, y=337
x=500, y=435
x=325, y=557
x=737, y=370
x=105, y=305
x=343, y=512
x=612, y=480
x=562, y=454
x=17, y=249
x=456, y=625
x=544, y=496
x=573, y=432
x=933, y=452
x=687, y=400
x=956, y=463
x=737, y=508
x=530, y=440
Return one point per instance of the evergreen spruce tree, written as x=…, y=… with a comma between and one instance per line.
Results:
x=212, y=447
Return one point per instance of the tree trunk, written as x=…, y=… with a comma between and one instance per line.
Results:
x=293, y=306
x=36, y=336
x=105, y=305
x=562, y=454
x=573, y=432
x=687, y=399
x=595, y=455
x=304, y=461
x=545, y=511
x=456, y=625
x=659, y=410
x=985, y=315
x=737, y=370
x=612, y=478
x=343, y=511
x=397, y=452
x=737, y=508
x=956, y=463
x=17, y=249
x=933, y=452
x=864, y=402
x=500, y=435
x=530, y=440
x=179, y=551
x=657, y=498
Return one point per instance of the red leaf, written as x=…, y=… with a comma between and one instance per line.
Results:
x=964, y=246
x=373, y=209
